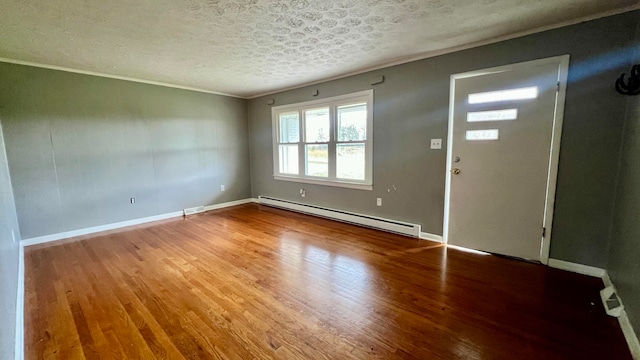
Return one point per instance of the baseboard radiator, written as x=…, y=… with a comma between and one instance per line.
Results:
x=398, y=227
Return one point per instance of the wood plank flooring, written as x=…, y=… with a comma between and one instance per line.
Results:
x=253, y=282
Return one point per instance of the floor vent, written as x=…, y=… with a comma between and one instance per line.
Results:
x=359, y=219
x=194, y=210
x=612, y=304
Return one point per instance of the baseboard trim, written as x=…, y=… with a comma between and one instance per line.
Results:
x=629, y=335
x=627, y=329
x=122, y=224
x=96, y=229
x=229, y=204
x=430, y=237
x=19, y=350
x=577, y=268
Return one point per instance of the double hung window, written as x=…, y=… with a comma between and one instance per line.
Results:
x=326, y=141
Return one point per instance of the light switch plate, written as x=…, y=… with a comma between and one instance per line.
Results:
x=436, y=144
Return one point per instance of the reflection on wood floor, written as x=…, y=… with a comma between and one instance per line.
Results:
x=252, y=282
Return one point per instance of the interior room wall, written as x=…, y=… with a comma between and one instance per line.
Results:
x=79, y=147
x=411, y=107
x=9, y=250
x=624, y=255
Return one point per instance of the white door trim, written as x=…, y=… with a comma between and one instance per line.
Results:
x=563, y=62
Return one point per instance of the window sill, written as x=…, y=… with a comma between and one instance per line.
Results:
x=335, y=183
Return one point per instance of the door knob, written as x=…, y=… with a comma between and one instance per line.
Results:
x=455, y=171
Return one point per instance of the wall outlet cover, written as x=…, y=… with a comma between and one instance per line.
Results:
x=436, y=144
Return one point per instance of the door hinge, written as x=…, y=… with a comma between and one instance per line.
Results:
x=544, y=231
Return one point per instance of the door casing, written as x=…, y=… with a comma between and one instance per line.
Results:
x=552, y=175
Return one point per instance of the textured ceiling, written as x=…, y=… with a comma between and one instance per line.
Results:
x=248, y=47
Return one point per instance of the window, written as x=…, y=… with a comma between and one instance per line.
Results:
x=327, y=142
x=495, y=115
x=504, y=95
x=482, y=135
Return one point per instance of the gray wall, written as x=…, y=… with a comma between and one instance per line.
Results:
x=411, y=107
x=624, y=255
x=80, y=146
x=8, y=259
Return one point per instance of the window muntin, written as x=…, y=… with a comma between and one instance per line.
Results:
x=332, y=139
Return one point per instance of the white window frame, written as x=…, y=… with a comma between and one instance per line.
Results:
x=332, y=103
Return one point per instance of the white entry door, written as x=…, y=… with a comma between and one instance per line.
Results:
x=502, y=169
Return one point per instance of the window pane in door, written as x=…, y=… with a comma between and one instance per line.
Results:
x=289, y=159
x=352, y=122
x=289, y=128
x=494, y=115
x=482, y=135
x=350, y=161
x=504, y=95
x=317, y=160
x=317, y=125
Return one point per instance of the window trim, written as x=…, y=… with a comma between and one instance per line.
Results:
x=333, y=103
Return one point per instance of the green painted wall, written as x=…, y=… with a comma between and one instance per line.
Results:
x=411, y=107
x=79, y=147
x=624, y=255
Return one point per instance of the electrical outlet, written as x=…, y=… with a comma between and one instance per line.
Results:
x=303, y=192
x=221, y=187
x=132, y=200
x=379, y=201
x=436, y=144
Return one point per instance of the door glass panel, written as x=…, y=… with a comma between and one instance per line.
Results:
x=494, y=115
x=352, y=122
x=289, y=159
x=317, y=125
x=350, y=161
x=317, y=160
x=504, y=95
x=480, y=135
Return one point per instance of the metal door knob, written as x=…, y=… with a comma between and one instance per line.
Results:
x=455, y=171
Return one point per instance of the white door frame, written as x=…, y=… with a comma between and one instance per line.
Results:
x=552, y=179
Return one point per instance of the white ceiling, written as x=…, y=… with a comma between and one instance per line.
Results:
x=249, y=47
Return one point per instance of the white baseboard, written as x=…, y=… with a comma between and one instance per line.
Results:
x=430, y=237
x=577, y=268
x=629, y=335
x=19, y=352
x=96, y=229
x=395, y=226
x=229, y=204
x=627, y=329
x=202, y=208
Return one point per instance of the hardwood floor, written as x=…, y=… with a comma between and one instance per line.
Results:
x=252, y=282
